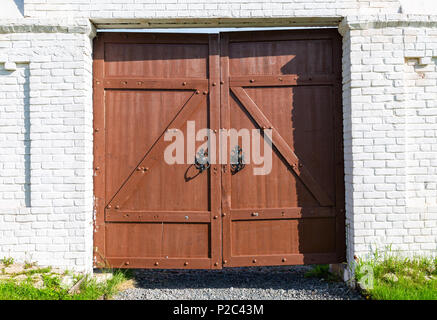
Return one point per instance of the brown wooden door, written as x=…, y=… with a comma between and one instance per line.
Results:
x=150, y=214
x=289, y=82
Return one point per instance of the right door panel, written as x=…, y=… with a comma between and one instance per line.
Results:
x=286, y=84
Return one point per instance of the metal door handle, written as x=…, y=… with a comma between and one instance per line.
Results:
x=201, y=161
x=237, y=159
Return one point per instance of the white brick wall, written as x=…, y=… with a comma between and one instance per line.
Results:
x=390, y=89
x=204, y=9
x=390, y=121
x=46, y=198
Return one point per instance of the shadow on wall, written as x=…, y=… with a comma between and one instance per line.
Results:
x=20, y=6
x=27, y=141
x=16, y=107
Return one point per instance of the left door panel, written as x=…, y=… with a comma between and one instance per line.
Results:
x=149, y=213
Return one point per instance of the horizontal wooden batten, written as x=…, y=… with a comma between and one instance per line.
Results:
x=145, y=83
x=285, y=80
x=162, y=263
x=281, y=260
x=281, y=213
x=114, y=215
x=279, y=35
x=158, y=38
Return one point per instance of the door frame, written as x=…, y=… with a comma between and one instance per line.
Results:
x=218, y=87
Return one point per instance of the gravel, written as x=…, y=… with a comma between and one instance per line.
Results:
x=255, y=283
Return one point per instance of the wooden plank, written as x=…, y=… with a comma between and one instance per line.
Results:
x=215, y=172
x=154, y=154
x=225, y=117
x=281, y=213
x=281, y=80
x=282, y=260
x=113, y=215
x=147, y=83
x=158, y=263
x=158, y=38
x=99, y=152
x=281, y=35
x=283, y=148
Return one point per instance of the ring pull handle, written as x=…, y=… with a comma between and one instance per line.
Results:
x=201, y=160
x=237, y=159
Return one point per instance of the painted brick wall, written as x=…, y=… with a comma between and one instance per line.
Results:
x=204, y=9
x=390, y=121
x=46, y=196
x=390, y=116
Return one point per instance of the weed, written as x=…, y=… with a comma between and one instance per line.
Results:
x=7, y=261
x=28, y=265
x=321, y=271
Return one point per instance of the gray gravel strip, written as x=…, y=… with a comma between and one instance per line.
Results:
x=255, y=283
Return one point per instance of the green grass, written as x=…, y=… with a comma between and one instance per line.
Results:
x=89, y=288
x=321, y=271
x=7, y=261
x=397, y=278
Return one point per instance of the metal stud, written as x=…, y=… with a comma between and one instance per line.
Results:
x=223, y=214
x=222, y=82
x=185, y=263
x=215, y=217
x=205, y=92
x=117, y=207
x=254, y=260
x=126, y=263
x=156, y=263
x=284, y=260
x=184, y=83
x=252, y=80
x=197, y=92
x=214, y=84
x=216, y=264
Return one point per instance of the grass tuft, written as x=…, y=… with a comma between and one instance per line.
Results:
x=397, y=278
x=321, y=271
x=53, y=290
x=7, y=261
